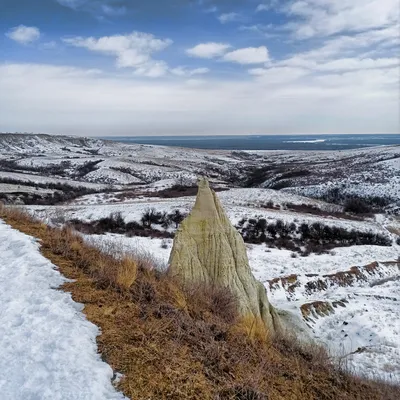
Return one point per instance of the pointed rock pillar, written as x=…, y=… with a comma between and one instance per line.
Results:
x=208, y=249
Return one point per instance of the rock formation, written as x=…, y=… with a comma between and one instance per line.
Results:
x=208, y=249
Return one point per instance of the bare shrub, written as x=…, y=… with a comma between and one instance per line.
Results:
x=357, y=206
x=315, y=238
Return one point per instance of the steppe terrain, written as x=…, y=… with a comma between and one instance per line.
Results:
x=322, y=228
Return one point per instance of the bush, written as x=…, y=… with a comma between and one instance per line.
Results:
x=151, y=216
x=177, y=217
x=357, y=206
x=316, y=238
x=87, y=167
x=115, y=223
x=63, y=192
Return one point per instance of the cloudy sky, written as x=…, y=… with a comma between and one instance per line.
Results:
x=176, y=67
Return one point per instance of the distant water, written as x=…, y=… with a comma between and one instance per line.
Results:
x=266, y=142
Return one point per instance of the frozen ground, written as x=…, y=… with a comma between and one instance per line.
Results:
x=366, y=333
x=362, y=172
x=47, y=347
x=9, y=188
x=40, y=179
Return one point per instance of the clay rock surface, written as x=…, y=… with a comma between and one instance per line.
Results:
x=208, y=249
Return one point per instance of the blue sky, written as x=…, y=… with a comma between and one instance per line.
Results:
x=115, y=67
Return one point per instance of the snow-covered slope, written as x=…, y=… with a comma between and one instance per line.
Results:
x=47, y=347
x=359, y=322
x=366, y=172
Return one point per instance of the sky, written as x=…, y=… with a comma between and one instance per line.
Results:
x=199, y=67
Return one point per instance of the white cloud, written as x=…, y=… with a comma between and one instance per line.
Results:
x=24, y=34
x=328, y=17
x=195, y=82
x=262, y=7
x=229, y=17
x=99, y=8
x=131, y=50
x=373, y=49
x=113, y=11
x=279, y=74
x=211, y=10
x=347, y=64
x=181, y=71
x=48, y=45
x=74, y=4
x=375, y=37
x=199, y=71
x=56, y=99
x=266, y=6
x=339, y=64
x=248, y=55
x=154, y=69
x=267, y=31
x=208, y=50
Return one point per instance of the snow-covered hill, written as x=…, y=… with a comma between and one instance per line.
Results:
x=77, y=161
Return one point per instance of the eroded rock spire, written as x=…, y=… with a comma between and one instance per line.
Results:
x=208, y=249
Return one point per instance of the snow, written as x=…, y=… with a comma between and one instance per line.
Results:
x=370, y=321
x=10, y=188
x=158, y=250
x=130, y=211
x=306, y=141
x=111, y=176
x=259, y=197
x=32, y=178
x=366, y=172
x=48, y=161
x=47, y=347
x=271, y=263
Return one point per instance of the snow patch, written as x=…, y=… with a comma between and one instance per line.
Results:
x=48, y=348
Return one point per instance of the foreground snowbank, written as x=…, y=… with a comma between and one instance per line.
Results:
x=47, y=347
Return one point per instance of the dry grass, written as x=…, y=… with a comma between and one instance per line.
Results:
x=176, y=343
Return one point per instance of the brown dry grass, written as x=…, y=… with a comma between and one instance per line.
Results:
x=393, y=229
x=175, y=343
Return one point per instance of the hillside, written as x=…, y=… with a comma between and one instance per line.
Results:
x=162, y=341
x=322, y=229
x=100, y=165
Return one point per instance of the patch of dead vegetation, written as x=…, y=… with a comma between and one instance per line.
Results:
x=394, y=230
x=317, y=309
x=176, y=343
x=289, y=283
x=349, y=277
